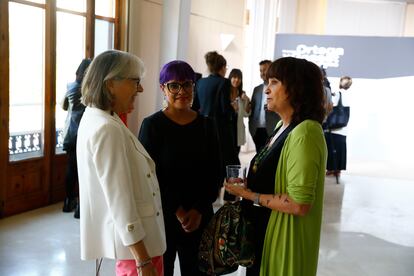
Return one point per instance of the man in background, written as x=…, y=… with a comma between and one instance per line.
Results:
x=261, y=121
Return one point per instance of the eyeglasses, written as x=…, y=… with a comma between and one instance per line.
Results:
x=136, y=80
x=175, y=87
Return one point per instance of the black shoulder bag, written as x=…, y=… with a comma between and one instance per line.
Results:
x=339, y=116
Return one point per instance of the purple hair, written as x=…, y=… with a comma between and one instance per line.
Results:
x=176, y=70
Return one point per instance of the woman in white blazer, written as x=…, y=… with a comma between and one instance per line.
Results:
x=121, y=215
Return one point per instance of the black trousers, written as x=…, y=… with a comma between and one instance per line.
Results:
x=185, y=244
x=336, y=145
x=259, y=217
x=71, y=178
x=260, y=138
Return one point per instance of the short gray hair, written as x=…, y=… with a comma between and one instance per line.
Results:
x=112, y=64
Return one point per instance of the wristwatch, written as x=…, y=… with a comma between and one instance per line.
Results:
x=256, y=201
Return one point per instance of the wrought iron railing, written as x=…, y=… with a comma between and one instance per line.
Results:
x=28, y=144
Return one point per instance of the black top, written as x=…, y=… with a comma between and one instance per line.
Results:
x=75, y=113
x=212, y=100
x=187, y=161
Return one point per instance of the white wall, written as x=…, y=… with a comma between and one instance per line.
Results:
x=379, y=136
x=365, y=17
x=208, y=20
x=144, y=41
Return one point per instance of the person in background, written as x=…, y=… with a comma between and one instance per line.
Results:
x=212, y=100
x=336, y=138
x=285, y=184
x=197, y=76
x=261, y=121
x=72, y=104
x=241, y=105
x=184, y=146
x=328, y=92
x=120, y=202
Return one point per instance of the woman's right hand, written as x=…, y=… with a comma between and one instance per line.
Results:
x=148, y=270
x=237, y=190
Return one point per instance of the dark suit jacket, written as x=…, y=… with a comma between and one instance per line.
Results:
x=271, y=118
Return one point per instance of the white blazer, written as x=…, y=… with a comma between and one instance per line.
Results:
x=120, y=202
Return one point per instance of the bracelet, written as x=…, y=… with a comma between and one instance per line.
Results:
x=141, y=264
x=256, y=201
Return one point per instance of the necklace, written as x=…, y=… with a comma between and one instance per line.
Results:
x=260, y=156
x=265, y=150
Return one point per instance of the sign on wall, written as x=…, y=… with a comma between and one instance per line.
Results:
x=356, y=56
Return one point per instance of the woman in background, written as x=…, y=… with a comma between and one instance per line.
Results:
x=241, y=105
x=212, y=100
x=184, y=146
x=120, y=203
x=336, y=138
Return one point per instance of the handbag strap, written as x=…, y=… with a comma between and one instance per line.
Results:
x=340, y=99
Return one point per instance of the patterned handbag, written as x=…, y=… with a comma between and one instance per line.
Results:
x=225, y=243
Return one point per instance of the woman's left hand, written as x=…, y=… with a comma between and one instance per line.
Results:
x=192, y=220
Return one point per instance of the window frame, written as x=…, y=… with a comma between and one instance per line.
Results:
x=50, y=166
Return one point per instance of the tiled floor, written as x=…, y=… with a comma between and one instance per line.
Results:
x=368, y=230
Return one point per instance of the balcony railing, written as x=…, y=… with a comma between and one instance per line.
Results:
x=23, y=145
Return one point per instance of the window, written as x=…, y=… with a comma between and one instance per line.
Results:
x=27, y=90
x=71, y=37
x=33, y=82
x=70, y=50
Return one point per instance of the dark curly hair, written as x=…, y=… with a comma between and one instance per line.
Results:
x=303, y=81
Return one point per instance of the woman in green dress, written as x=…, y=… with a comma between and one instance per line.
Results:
x=291, y=243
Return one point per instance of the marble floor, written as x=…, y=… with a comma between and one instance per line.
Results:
x=368, y=230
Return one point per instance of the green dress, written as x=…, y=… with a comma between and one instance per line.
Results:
x=291, y=244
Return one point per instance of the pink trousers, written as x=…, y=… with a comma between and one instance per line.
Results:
x=129, y=267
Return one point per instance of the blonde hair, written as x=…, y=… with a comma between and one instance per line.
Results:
x=345, y=82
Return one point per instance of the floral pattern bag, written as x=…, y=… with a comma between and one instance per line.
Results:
x=225, y=243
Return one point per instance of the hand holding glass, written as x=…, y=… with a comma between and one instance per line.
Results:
x=236, y=175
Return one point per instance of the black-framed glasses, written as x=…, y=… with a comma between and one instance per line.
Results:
x=175, y=87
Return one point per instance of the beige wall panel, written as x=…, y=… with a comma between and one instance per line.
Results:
x=311, y=16
x=205, y=36
x=145, y=28
x=409, y=20
x=226, y=11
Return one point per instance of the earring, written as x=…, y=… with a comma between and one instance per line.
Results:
x=164, y=102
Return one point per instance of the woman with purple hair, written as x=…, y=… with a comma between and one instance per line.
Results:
x=184, y=146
